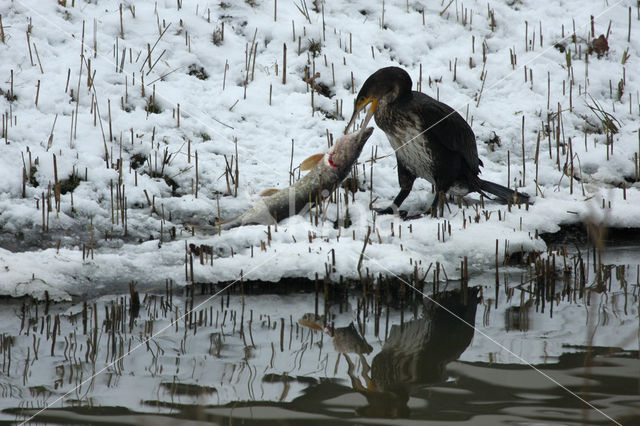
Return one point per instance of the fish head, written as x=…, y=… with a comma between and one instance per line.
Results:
x=346, y=150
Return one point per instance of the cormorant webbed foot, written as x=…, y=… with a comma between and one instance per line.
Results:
x=392, y=209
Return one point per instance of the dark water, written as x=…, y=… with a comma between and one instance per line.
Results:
x=557, y=347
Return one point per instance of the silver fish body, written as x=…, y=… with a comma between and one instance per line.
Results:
x=316, y=185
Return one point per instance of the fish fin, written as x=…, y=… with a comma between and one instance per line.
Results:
x=268, y=192
x=311, y=162
x=310, y=324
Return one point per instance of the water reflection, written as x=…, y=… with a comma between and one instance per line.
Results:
x=417, y=352
x=345, y=339
x=518, y=318
x=255, y=355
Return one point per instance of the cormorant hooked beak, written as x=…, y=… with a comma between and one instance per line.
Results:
x=359, y=105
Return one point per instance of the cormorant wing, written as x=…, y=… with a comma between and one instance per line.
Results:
x=446, y=127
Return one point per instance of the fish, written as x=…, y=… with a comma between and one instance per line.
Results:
x=348, y=340
x=345, y=339
x=312, y=321
x=327, y=171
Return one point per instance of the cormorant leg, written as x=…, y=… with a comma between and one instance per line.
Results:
x=405, y=179
x=433, y=209
x=437, y=205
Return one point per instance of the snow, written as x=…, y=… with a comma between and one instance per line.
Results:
x=219, y=116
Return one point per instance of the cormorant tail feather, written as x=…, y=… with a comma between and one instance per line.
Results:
x=505, y=194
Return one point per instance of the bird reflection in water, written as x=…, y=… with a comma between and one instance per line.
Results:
x=415, y=353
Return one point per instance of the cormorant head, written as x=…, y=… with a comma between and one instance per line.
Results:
x=386, y=84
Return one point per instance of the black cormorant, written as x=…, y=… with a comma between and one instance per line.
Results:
x=431, y=140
